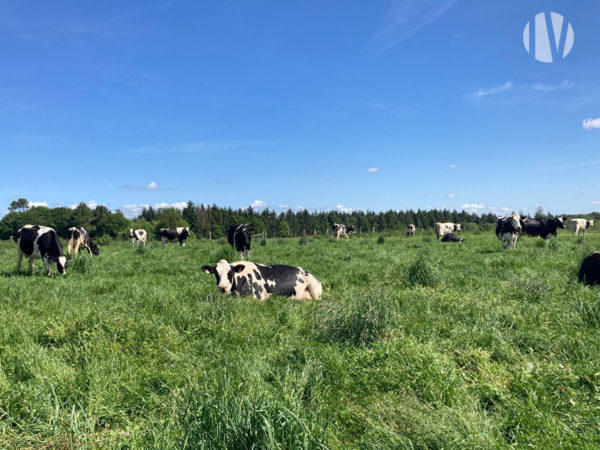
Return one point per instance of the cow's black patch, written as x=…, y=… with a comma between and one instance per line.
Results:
x=239, y=236
x=589, y=272
x=542, y=227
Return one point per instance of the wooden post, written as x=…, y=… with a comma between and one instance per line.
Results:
x=209, y=235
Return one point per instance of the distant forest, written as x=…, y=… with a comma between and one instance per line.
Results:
x=213, y=221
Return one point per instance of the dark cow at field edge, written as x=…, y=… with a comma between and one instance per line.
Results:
x=239, y=237
x=589, y=272
x=451, y=237
x=179, y=234
x=246, y=278
x=544, y=228
x=78, y=236
x=39, y=242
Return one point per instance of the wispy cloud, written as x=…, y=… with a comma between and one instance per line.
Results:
x=473, y=206
x=384, y=107
x=92, y=204
x=453, y=166
x=38, y=204
x=134, y=209
x=451, y=195
x=590, y=124
x=152, y=186
x=481, y=93
x=404, y=18
x=373, y=169
x=344, y=209
x=566, y=84
x=522, y=93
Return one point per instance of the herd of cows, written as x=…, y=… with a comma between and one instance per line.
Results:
x=261, y=281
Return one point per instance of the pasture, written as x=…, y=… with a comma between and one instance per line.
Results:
x=415, y=344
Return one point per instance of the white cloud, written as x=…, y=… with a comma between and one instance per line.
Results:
x=92, y=204
x=597, y=202
x=481, y=93
x=473, y=206
x=566, y=84
x=373, y=169
x=549, y=186
x=451, y=195
x=590, y=124
x=152, y=186
x=344, y=209
x=453, y=166
x=258, y=204
x=505, y=208
x=38, y=204
x=134, y=209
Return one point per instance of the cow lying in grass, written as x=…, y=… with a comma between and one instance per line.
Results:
x=246, y=278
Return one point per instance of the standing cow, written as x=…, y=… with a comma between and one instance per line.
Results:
x=340, y=230
x=77, y=237
x=239, y=237
x=508, y=229
x=578, y=225
x=442, y=229
x=246, y=278
x=179, y=234
x=137, y=236
x=545, y=228
x=410, y=230
x=39, y=242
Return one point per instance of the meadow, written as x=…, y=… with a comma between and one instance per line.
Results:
x=415, y=344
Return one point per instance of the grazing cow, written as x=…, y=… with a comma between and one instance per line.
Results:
x=38, y=242
x=577, y=225
x=246, y=278
x=442, y=229
x=137, y=236
x=179, y=234
x=589, y=272
x=410, y=230
x=508, y=229
x=545, y=228
x=239, y=237
x=340, y=230
x=78, y=237
x=451, y=237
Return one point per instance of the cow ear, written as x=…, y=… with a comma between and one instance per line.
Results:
x=239, y=268
x=208, y=269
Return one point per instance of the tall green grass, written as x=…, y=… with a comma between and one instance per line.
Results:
x=415, y=344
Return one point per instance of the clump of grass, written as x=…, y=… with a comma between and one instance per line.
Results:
x=540, y=243
x=589, y=310
x=423, y=272
x=82, y=264
x=224, y=252
x=381, y=240
x=263, y=242
x=361, y=322
x=531, y=289
x=427, y=239
x=554, y=245
x=302, y=241
x=141, y=250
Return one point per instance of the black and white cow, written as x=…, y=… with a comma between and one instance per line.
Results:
x=340, y=230
x=179, y=234
x=589, y=272
x=239, y=237
x=545, y=228
x=508, y=230
x=578, y=225
x=442, y=229
x=410, y=230
x=77, y=237
x=246, y=278
x=137, y=236
x=39, y=242
x=451, y=237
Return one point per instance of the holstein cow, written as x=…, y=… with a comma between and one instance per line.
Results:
x=451, y=237
x=239, y=237
x=589, y=272
x=340, y=230
x=577, y=225
x=78, y=237
x=545, y=228
x=137, y=236
x=246, y=278
x=442, y=229
x=38, y=242
x=179, y=234
x=508, y=229
x=410, y=230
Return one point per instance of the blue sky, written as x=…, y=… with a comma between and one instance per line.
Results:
x=318, y=104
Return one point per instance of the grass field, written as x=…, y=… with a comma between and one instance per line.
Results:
x=415, y=344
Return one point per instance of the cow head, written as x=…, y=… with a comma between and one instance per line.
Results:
x=94, y=248
x=224, y=273
x=185, y=233
x=560, y=222
x=457, y=227
x=350, y=229
x=131, y=235
x=589, y=223
x=61, y=263
x=517, y=222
